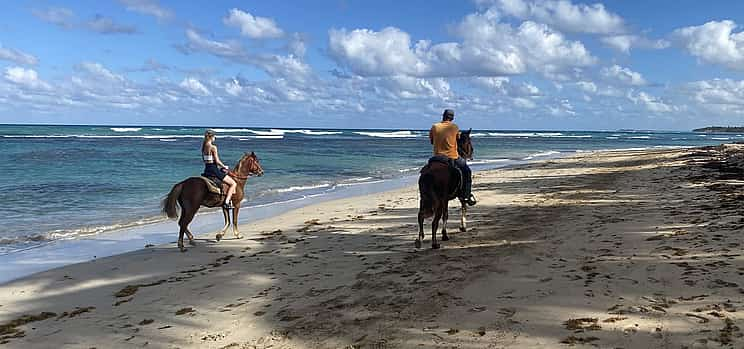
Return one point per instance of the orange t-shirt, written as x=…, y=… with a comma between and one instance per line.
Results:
x=443, y=136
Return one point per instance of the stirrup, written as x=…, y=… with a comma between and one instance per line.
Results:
x=228, y=206
x=470, y=200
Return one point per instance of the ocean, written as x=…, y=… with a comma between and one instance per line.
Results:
x=63, y=183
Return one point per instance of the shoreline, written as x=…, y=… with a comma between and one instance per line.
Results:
x=630, y=249
x=63, y=252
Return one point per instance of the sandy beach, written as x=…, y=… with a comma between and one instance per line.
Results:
x=624, y=249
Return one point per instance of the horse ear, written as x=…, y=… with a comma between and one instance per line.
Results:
x=470, y=130
x=253, y=154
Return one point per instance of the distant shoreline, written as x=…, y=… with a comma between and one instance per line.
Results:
x=720, y=129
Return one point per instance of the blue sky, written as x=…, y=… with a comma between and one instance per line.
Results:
x=501, y=64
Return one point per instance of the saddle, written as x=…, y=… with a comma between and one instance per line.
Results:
x=214, y=185
x=454, y=170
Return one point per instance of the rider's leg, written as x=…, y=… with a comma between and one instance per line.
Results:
x=467, y=180
x=231, y=190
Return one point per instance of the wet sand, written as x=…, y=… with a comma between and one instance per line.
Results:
x=630, y=249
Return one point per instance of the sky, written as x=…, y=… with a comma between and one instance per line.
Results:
x=500, y=64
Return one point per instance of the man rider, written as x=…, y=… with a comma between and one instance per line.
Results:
x=443, y=136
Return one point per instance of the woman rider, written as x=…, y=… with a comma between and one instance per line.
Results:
x=212, y=161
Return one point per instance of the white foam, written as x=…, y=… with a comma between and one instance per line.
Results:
x=541, y=154
x=276, y=132
x=360, y=183
x=126, y=129
x=640, y=137
x=232, y=130
x=168, y=140
x=612, y=137
x=392, y=134
x=525, y=134
x=302, y=187
x=311, y=132
x=720, y=138
x=487, y=161
x=247, y=138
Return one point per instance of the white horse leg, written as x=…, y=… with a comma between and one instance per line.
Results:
x=235, y=222
x=226, y=215
x=463, y=219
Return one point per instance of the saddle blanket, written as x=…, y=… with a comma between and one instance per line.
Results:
x=213, y=187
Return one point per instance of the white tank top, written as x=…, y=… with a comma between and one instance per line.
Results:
x=207, y=157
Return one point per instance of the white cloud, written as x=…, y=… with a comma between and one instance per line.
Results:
x=105, y=25
x=65, y=18
x=17, y=56
x=623, y=75
x=371, y=53
x=233, y=87
x=651, y=103
x=722, y=96
x=591, y=87
x=253, y=26
x=223, y=49
x=504, y=86
x=714, y=42
x=624, y=43
x=98, y=71
x=297, y=45
x=488, y=48
x=58, y=16
x=587, y=86
x=148, y=7
x=289, y=67
x=195, y=87
x=25, y=77
x=409, y=87
x=564, y=15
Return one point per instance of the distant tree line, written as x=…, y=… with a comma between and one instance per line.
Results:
x=732, y=129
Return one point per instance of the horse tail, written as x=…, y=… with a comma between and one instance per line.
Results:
x=170, y=203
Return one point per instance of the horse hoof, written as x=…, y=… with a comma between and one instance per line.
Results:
x=218, y=237
x=463, y=229
x=418, y=243
x=192, y=242
x=183, y=249
x=435, y=246
x=445, y=238
x=238, y=236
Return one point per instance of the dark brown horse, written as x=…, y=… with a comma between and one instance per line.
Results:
x=437, y=186
x=193, y=193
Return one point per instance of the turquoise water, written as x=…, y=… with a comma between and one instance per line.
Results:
x=68, y=182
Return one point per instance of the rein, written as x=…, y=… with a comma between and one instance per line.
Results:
x=236, y=175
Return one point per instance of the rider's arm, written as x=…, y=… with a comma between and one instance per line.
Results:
x=217, y=157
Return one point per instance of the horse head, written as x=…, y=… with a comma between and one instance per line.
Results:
x=249, y=166
x=464, y=145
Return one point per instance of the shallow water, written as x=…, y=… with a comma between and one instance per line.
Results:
x=72, y=182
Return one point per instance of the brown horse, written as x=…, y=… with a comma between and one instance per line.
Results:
x=436, y=188
x=192, y=193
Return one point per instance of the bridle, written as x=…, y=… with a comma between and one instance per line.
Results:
x=236, y=175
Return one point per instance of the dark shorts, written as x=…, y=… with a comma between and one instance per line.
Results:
x=211, y=170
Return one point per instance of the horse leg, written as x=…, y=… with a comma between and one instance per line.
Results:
x=187, y=214
x=226, y=216
x=463, y=219
x=435, y=223
x=235, y=222
x=420, y=238
x=191, y=237
x=445, y=216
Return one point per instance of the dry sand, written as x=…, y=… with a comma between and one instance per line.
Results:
x=633, y=249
